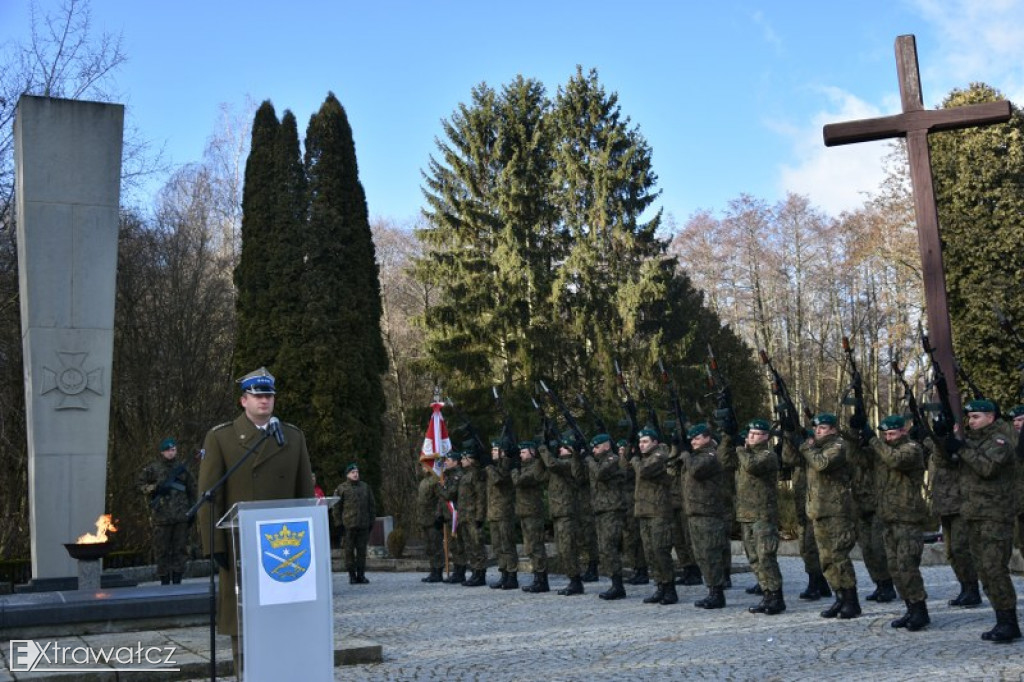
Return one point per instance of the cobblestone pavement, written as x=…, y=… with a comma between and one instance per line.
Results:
x=449, y=632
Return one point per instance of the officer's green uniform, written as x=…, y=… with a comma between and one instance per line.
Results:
x=170, y=490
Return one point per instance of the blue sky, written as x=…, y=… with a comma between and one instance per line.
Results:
x=731, y=96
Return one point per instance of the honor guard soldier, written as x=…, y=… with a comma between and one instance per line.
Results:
x=703, y=480
x=531, y=480
x=354, y=515
x=171, y=490
x=757, y=510
x=653, y=510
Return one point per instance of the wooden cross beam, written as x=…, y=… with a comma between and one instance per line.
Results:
x=914, y=124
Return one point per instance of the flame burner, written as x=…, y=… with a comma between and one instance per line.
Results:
x=88, y=555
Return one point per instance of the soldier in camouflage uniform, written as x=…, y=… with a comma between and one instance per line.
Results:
x=606, y=477
x=727, y=456
x=817, y=586
x=757, y=510
x=428, y=514
x=903, y=512
x=703, y=481
x=563, y=490
x=987, y=466
x=653, y=510
x=354, y=515
x=870, y=528
x=171, y=490
x=588, y=545
x=472, y=514
x=830, y=509
x=690, y=573
x=1017, y=415
x=448, y=490
x=531, y=480
x=501, y=516
x=946, y=502
x=632, y=547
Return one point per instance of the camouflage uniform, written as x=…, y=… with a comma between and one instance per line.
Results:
x=727, y=456
x=587, y=523
x=632, y=547
x=792, y=457
x=902, y=508
x=562, y=493
x=472, y=514
x=171, y=490
x=830, y=507
x=757, y=510
x=531, y=480
x=431, y=522
x=867, y=471
x=653, y=510
x=501, y=513
x=448, y=491
x=606, y=477
x=680, y=524
x=945, y=501
x=355, y=511
x=703, y=483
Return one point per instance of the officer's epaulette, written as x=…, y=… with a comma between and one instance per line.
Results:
x=220, y=426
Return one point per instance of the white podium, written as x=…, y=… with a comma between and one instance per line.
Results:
x=283, y=588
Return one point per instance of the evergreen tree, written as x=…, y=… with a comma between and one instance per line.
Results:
x=340, y=333
x=979, y=186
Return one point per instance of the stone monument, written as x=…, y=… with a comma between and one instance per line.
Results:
x=67, y=158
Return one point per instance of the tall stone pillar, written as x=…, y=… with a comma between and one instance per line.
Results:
x=67, y=159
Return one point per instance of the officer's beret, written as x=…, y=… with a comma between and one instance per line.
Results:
x=649, y=433
x=167, y=444
x=894, y=422
x=826, y=418
x=1016, y=411
x=527, y=445
x=697, y=430
x=352, y=467
x=759, y=425
x=980, y=406
x=600, y=438
x=258, y=382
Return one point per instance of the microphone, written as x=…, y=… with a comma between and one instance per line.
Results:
x=274, y=427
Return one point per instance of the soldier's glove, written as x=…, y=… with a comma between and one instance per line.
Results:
x=953, y=445
x=941, y=428
x=866, y=434
x=858, y=422
x=221, y=559
x=438, y=523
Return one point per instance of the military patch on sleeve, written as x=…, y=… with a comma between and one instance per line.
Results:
x=1000, y=441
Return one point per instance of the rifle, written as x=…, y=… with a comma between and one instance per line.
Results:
x=976, y=392
x=724, y=413
x=594, y=417
x=467, y=426
x=917, y=418
x=945, y=418
x=652, y=414
x=548, y=430
x=508, y=439
x=168, y=484
x=666, y=379
x=859, y=420
x=788, y=416
x=577, y=432
x=628, y=404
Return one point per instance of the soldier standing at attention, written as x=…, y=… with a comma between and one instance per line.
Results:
x=830, y=509
x=987, y=465
x=448, y=490
x=903, y=513
x=472, y=514
x=531, y=480
x=653, y=510
x=703, y=479
x=606, y=478
x=562, y=491
x=354, y=514
x=757, y=510
x=501, y=516
x=171, y=490
x=428, y=513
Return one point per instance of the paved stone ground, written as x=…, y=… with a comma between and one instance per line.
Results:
x=444, y=632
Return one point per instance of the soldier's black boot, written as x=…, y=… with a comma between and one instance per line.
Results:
x=883, y=593
x=714, y=600
x=1007, y=628
x=478, y=579
x=759, y=608
x=823, y=587
x=775, y=604
x=756, y=589
x=918, y=616
x=457, y=575
x=811, y=593
x=511, y=581
x=590, y=575
x=434, y=577
x=833, y=611
x=669, y=595
x=352, y=580
x=851, y=605
x=361, y=576
x=659, y=594
x=175, y=578
x=692, y=575
x=616, y=591
x=500, y=583
x=575, y=586
x=540, y=583
x=640, y=577
x=902, y=621
x=536, y=579
x=971, y=596
x=165, y=580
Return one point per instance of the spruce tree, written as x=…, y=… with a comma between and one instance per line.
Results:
x=340, y=331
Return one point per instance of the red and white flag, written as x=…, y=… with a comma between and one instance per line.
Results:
x=436, y=444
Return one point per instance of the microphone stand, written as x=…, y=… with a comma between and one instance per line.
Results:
x=207, y=498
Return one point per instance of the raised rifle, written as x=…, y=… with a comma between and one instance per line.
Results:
x=652, y=413
x=577, y=432
x=945, y=418
x=549, y=432
x=787, y=414
x=483, y=451
x=860, y=415
x=920, y=425
x=508, y=438
x=725, y=415
x=594, y=417
x=673, y=395
x=628, y=404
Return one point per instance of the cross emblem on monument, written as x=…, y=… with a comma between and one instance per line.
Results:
x=914, y=124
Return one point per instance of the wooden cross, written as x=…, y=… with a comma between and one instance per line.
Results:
x=914, y=124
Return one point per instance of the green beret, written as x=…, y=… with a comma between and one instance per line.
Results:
x=352, y=467
x=980, y=406
x=567, y=443
x=600, y=438
x=697, y=430
x=495, y=443
x=621, y=443
x=455, y=455
x=649, y=432
x=1016, y=411
x=167, y=444
x=527, y=445
x=826, y=418
x=759, y=425
x=743, y=433
x=893, y=422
